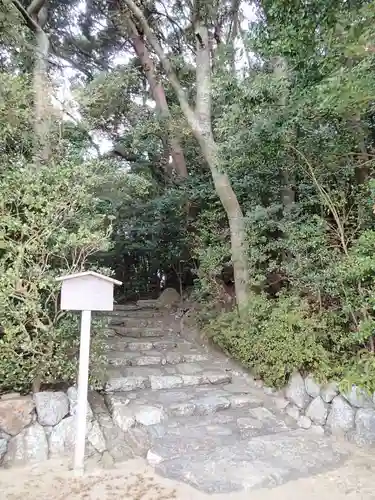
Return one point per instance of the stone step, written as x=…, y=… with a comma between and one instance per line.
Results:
x=215, y=461
x=139, y=332
x=143, y=344
x=135, y=322
x=140, y=305
x=147, y=303
x=242, y=421
x=153, y=357
x=133, y=313
x=149, y=407
x=163, y=377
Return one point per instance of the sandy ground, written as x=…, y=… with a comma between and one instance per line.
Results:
x=135, y=480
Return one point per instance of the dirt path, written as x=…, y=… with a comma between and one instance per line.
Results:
x=135, y=480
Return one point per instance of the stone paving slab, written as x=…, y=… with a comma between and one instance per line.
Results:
x=133, y=313
x=138, y=344
x=163, y=405
x=231, y=425
x=136, y=306
x=142, y=377
x=179, y=369
x=154, y=357
x=136, y=322
x=198, y=418
x=245, y=465
x=139, y=331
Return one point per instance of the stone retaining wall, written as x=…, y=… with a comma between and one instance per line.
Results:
x=324, y=408
x=35, y=428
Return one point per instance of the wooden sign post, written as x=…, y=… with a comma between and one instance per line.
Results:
x=86, y=292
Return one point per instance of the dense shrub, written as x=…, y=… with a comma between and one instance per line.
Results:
x=51, y=222
x=327, y=328
x=274, y=339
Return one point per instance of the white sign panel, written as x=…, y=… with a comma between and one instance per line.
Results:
x=86, y=292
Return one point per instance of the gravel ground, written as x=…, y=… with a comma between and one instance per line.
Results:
x=135, y=480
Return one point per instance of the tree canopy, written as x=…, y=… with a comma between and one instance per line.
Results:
x=225, y=147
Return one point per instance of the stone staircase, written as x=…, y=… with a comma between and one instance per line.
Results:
x=194, y=415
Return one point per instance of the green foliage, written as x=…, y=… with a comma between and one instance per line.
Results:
x=16, y=122
x=295, y=133
x=51, y=223
x=275, y=339
x=299, y=148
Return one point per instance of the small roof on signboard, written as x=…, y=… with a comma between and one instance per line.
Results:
x=89, y=273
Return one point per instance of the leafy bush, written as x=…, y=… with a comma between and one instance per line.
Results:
x=275, y=338
x=51, y=223
x=325, y=325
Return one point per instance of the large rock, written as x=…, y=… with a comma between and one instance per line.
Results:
x=169, y=381
x=95, y=437
x=3, y=447
x=329, y=392
x=73, y=396
x=364, y=433
x=280, y=403
x=312, y=387
x=62, y=437
x=304, y=422
x=122, y=415
x=341, y=417
x=293, y=412
x=168, y=298
x=51, y=407
x=358, y=397
x=258, y=462
x=29, y=446
x=317, y=411
x=149, y=415
x=296, y=391
x=15, y=414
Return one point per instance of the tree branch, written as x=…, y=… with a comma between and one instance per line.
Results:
x=35, y=7
x=30, y=22
x=203, y=78
x=181, y=95
x=234, y=21
x=59, y=55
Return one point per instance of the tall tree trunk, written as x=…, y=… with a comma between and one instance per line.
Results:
x=158, y=94
x=35, y=17
x=200, y=123
x=42, y=105
x=280, y=70
x=362, y=171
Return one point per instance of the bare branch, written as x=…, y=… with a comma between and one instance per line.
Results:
x=30, y=22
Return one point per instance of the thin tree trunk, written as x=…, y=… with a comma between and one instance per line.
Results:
x=35, y=17
x=200, y=123
x=280, y=69
x=361, y=172
x=158, y=94
x=42, y=111
x=236, y=220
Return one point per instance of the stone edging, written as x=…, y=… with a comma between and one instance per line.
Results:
x=326, y=409
x=36, y=427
